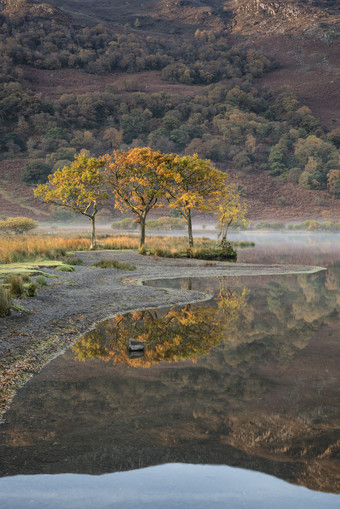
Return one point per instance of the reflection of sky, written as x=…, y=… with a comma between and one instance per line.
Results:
x=169, y=486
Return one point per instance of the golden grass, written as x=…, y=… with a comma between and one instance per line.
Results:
x=35, y=247
x=120, y=242
x=23, y=249
x=159, y=245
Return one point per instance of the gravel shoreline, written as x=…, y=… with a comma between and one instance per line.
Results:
x=76, y=302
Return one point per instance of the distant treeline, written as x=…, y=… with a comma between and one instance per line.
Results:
x=310, y=224
x=231, y=120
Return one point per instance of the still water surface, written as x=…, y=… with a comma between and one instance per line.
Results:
x=234, y=404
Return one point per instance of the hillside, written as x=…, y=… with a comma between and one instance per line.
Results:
x=186, y=76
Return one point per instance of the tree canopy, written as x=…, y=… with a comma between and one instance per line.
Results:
x=17, y=225
x=78, y=187
x=135, y=181
x=230, y=209
x=191, y=183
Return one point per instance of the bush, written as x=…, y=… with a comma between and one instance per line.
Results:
x=166, y=223
x=12, y=139
x=266, y=225
x=65, y=268
x=125, y=224
x=17, y=225
x=36, y=172
x=72, y=260
x=311, y=224
x=176, y=248
x=40, y=281
x=62, y=214
x=56, y=133
x=113, y=264
x=30, y=289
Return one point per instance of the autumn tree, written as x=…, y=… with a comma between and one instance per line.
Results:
x=230, y=209
x=78, y=187
x=17, y=225
x=135, y=181
x=191, y=183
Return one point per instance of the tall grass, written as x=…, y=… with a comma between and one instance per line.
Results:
x=51, y=248
x=16, y=286
x=120, y=242
x=5, y=302
x=33, y=248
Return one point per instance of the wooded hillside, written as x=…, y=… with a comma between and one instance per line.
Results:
x=67, y=85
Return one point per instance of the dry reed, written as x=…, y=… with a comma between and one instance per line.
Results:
x=31, y=248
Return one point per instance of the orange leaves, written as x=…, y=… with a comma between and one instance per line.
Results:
x=179, y=334
x=140, y=179
x=134, y=179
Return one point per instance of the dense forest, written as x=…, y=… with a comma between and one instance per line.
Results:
x=228, y=118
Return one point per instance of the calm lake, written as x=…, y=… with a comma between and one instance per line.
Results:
x=235, y=402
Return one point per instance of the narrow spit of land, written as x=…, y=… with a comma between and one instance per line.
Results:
x=75, y=302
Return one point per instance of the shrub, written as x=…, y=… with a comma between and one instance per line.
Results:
x=62, y=214
x=205, y=249
x=72, y=260
x=10, y=139
x=61, y=163
x=56, y=133
x=40, y=281
x=36, y=172
x=66, y=268
x=5, y=302
x=125, y=224
x=166, y=223
x=30, y=289
x=16, y=286
x=315, y=225
x=17, y=225
x=266, y=225
x=113, y=264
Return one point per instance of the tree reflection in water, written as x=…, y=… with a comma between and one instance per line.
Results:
x=171, y=336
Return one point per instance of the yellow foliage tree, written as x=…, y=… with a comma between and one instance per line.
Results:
x=191, y=183
x=230, y=209
x=136, y=181
x=78, y=187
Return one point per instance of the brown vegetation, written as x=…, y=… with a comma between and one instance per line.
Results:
x=302, y=36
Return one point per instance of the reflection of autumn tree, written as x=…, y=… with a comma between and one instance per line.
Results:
x=178, y=334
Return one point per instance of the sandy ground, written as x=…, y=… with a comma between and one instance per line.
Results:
x=75, y=302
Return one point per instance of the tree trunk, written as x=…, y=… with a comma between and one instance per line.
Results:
x=93, y=233
x=142, y=232
x=190, y=237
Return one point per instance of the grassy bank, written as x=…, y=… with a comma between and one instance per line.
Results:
x=32, y=248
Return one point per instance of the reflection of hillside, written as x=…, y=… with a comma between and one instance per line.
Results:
x=263, y=398
x=280, y=317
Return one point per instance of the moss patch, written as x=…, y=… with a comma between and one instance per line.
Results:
x=29, y=268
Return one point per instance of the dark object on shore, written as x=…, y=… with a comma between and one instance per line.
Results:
x=136, y=346
x=138, y=354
